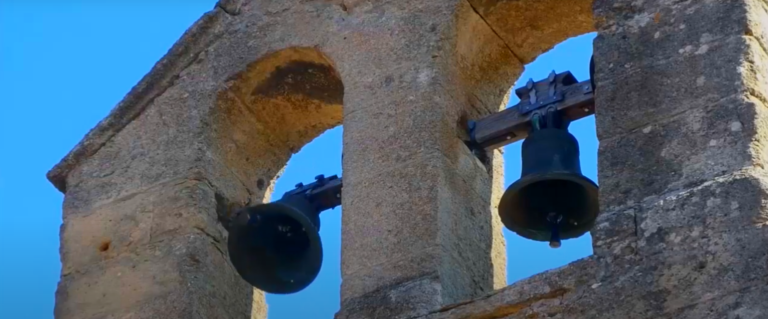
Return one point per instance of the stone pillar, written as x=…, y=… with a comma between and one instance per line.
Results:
x=682, y=124
x=420, y=227
x=682, y=89
x=141, y=236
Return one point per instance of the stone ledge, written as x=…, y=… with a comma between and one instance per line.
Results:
x=550, y=285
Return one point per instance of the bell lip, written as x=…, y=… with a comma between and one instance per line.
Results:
x=543, y=236
x=314, y=237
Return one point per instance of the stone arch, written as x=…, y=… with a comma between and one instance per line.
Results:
x=270, y=110
x=495, y=39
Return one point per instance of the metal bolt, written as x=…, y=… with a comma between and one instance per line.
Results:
x=319, y=177
x=299, y=185
x=529, y=84
x=509, y=137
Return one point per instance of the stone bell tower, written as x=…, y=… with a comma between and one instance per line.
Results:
x=681, y=117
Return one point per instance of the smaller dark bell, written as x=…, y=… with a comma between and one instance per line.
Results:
x=276, y=247
x=552, y=200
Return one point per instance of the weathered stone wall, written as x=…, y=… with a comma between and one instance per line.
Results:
x=680, y=115
x=682, y=125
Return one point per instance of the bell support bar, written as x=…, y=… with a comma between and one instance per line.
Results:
x=323, y=194
x=573, y=99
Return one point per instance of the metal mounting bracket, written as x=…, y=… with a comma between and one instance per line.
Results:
x=536, y=95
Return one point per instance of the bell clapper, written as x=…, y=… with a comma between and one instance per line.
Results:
x=554, y=222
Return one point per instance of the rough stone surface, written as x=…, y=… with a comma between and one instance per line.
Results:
x=681, y=115
x=659, y=90
x=162, y=76
x=679, y=152
x=155, y=253
x=532, y=27
x=179, y=278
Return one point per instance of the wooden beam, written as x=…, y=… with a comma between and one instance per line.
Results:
x=509, y=126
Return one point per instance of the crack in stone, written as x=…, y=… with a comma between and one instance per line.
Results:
x=496, y=33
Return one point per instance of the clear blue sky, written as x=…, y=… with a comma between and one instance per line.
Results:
x=65, y=64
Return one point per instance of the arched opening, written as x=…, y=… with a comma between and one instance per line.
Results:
x=500, y=41
x=321, y=156
x=271, y=110
x=570, y=55
x=265, y=115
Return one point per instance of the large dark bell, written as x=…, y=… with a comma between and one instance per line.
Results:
x=276, y=247
x=552, y=200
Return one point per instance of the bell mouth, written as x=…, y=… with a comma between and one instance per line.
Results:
x=275, y=247
x=526, y=206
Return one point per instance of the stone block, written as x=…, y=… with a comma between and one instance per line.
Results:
x=662, y=284
x=405, y=55
x=391, y=273
x=658, y=287
x=683, y=221
x=748, y=302
x=680, y=152
x=167, y=210
x=473, y=250
x=435, y=125
x=158, y=145
x=615, y=232
x=653, y=91
x=485, y=179
x=712, y=268
x=394, y=211
x=186, y=277
x=700, y=244
x=366, y=134
x=633, y=34
x=426, y=221
x=381, y=138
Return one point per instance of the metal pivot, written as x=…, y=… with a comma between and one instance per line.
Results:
x=537, y=95
x=323, y=194
x=549, y=118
